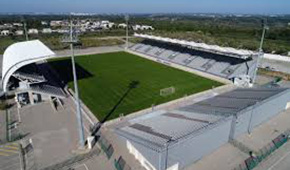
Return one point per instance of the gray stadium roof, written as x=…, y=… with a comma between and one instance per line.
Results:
x=154, y=130
x=234, y=101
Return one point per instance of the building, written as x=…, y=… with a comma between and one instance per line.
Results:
x=32, y=31
x=175, y=139
x=142, y=27
x=5, y=32
x=19, y=32
x=122, y=25
x=56, y=23
x=30, y=82
x=136, y=27
x=211, y=60
x=18, y=24
x=146, y=27
x=44, y=23
x=46, y=31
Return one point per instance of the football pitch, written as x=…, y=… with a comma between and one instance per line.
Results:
x=115, y=84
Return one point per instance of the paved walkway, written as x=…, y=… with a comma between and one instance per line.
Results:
x=227, y=157
x=279, y=160
x=54, y=134
x=266, y=132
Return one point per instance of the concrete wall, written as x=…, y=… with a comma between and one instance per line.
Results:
x=254, y=116
x=194, y=148
x=144, y=155
x=270, y=108
x=187, y=151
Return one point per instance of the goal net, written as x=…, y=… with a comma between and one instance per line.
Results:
x=167, y=91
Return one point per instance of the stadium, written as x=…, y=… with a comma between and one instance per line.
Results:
x=147, y=74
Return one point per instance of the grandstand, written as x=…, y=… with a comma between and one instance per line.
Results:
x=26, y=74
x=174, y=139
x=226, y=63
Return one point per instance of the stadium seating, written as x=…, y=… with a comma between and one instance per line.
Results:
x=219, y=65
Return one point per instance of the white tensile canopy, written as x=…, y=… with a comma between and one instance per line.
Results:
x=20, y=54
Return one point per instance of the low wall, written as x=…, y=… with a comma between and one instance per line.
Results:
x=277, y=57
x=176, y=103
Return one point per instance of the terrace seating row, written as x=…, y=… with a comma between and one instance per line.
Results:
x=222, y=66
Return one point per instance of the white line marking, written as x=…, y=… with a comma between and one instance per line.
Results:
x=79, y=165
x=86, y=167
x=277, y=162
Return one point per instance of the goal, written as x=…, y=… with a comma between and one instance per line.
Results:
x=167, y=91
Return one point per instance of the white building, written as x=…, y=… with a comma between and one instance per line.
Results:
x=146, y=27
x=122, y=25
x=136, y=27
x=56, y=23
x=61, y=31
x=19, y=32
x=5, y=32
x=44, y=23
x=8, y=25
x=32, y=31
x=46, y=31
x=142, y=27
x=18, y=24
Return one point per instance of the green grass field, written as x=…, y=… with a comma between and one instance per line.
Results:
x=105, y=78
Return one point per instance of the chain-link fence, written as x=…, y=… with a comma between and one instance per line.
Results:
x=255, y=158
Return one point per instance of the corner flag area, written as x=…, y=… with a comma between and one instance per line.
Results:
x=126, y=83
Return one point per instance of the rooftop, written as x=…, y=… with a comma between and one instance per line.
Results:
x=155, y=129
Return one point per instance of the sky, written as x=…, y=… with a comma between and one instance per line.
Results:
x=147, y=6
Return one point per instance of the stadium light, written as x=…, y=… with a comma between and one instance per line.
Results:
x=73, y=39
x=25, y=28
x=127, y=29
x=260, y=55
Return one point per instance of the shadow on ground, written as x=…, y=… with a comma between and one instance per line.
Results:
x=64, y=70
x=132, y=85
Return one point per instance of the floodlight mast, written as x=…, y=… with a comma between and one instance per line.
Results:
x=260, y=53
x=25, y=29
x=127, y=30
x=72, y=40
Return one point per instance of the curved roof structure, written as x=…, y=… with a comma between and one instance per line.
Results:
x=20, y=54
x=228, y=51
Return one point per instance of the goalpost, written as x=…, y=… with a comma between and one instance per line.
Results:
x=167, y=91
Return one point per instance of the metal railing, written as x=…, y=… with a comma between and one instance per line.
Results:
x=253, y=160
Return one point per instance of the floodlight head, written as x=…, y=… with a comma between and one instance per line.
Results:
x=127, y=17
